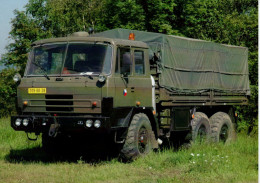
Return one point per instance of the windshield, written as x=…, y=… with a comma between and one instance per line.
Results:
x=79, y=59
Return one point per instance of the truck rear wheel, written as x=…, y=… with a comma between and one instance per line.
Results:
x=200, y=127
x=139, y=138
x=222, y=128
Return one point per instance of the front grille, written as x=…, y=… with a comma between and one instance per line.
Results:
x=59, y=102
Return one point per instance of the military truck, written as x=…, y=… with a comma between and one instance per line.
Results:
x=134, y=88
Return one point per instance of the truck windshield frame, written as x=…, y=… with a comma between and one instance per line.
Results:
x=70, y=59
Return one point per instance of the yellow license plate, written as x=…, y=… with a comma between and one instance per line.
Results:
x=36, y=90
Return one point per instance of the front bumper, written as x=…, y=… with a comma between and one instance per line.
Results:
x=39, y=124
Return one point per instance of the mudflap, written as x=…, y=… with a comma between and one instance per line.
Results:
x=154, y=141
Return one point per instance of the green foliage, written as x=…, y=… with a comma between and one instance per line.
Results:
x=7, y=92
x=248, y=115
x=224, y=21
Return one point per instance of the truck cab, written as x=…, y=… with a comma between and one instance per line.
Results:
x=84, y=85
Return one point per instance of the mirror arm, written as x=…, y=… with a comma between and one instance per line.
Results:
x=123, y=78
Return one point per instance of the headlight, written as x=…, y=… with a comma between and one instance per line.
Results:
x=89, y=123
x=18, y=122
x=25, y=122
x=97, y=123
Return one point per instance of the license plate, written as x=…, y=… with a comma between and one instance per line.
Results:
x=36, y=90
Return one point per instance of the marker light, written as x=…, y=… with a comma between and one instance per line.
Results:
x=25, y=122
x=25, y=103
x=138, y=103
x=18, y=122
x=94, y=104
x=89, y=123
x=131, y=36
x=97, y=123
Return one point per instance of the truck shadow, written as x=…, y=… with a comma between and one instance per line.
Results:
x=69, y=155
x=78, y=152
x=39, y=155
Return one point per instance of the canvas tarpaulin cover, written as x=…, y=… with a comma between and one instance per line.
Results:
x=194, y=66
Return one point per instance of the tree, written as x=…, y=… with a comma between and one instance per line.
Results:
x=223, y=21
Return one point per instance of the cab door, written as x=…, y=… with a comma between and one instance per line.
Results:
x=132, y=80
x=142, y=83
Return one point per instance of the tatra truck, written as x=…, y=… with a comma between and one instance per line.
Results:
x=132, y=88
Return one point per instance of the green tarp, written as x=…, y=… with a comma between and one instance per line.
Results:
x=194, y=66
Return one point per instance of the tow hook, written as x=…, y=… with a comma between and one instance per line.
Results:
x=54, y=128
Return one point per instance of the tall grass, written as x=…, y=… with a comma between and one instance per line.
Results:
x=234, y=162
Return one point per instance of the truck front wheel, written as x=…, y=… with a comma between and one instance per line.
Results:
x=222, y=128
x=139, y=138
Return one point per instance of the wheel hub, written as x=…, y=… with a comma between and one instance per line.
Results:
x=142, y=140
x=223, y=135
x=201, y=133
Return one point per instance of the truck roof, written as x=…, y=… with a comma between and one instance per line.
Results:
x=81, y=37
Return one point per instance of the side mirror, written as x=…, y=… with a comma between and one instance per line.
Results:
x=17, y=77
x=102, y=78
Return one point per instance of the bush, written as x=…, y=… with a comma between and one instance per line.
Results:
x=7, y=92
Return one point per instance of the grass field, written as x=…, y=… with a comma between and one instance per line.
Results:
x=24, y=161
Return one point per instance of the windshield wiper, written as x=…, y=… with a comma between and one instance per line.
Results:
x=42, y=69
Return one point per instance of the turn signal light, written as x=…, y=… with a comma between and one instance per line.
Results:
x=138, y=103
x=193, y=116
x=131, y=36
x=25, y=103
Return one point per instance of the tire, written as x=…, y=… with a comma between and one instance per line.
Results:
x=200, y=127
x=222, y=128
x=139, y=138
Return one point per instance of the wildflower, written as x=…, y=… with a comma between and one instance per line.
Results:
x=213, y=160
x=193, y=162
x=203, y=154
x=206, y=160
x=226, y=156
x=192, y=154
x=150, y=168
x=217, y=155
x=198, y=154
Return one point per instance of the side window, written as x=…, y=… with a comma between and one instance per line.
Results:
x=139, y=62
x=125, y=61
